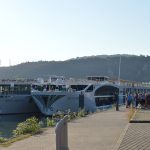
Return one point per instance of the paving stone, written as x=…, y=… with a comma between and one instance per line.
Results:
x=137, y=137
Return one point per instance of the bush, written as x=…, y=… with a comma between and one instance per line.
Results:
x=82, y=113
x=31, y=125
x=59, y=115
x=72, y=115
x=2, y=140
x=50, y=122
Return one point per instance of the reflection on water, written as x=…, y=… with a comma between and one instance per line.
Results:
x=9, y=122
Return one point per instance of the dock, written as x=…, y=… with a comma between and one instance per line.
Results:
x=105, y=130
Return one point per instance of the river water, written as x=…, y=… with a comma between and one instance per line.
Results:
x=8, y=123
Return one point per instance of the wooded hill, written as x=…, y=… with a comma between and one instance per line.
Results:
x=134, y=68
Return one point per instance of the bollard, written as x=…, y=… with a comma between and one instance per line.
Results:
x=61, y=131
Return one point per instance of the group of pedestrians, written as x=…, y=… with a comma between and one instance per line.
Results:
x=137, y=100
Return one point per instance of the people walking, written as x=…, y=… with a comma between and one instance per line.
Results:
x=136, y=98
x=129, y=100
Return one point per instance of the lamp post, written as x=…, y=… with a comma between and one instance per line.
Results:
x=117, y=94
x=119, y=70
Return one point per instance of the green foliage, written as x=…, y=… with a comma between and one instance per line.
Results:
x=71, y=115
x=50, y=122
x=82, y=113
x=2, y=140
x=31, y=125
x=59, y=115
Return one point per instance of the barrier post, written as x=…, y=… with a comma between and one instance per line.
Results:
x=61, y=131
x=117, y=101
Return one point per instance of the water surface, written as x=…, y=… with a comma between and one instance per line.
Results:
x=9, y=122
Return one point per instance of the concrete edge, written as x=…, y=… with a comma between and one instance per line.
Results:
x=132, y=120
x=140, y=121
x=120, y=139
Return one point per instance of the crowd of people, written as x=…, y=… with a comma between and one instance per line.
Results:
x=138, y=100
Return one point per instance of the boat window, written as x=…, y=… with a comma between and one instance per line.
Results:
x=101, y=101
x=90, y=89
x=106, y=90
x=78, y=87
x=16, y=89
x=21, y=89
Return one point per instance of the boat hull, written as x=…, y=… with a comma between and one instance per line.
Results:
x=17, y=104
x=62, y=101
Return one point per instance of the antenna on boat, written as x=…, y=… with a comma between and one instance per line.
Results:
x=119, y=70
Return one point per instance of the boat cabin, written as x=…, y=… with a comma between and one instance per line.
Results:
x=14, y=88
x=98, y=78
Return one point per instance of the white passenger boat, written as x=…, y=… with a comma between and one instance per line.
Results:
x=91, y=94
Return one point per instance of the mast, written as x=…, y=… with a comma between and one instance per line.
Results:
x=9, y=62
x=119, y=70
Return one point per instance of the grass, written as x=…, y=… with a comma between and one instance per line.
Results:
x=8, y=142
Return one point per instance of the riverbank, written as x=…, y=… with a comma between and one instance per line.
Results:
x=96, y=131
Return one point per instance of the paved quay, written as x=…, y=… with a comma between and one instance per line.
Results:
x=137, y=136
x=99, y=131
x=141, y=116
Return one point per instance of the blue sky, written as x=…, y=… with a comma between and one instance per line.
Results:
x=32, y=30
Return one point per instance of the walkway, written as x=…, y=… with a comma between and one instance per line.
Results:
x=137, y=136
x=99, y=131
